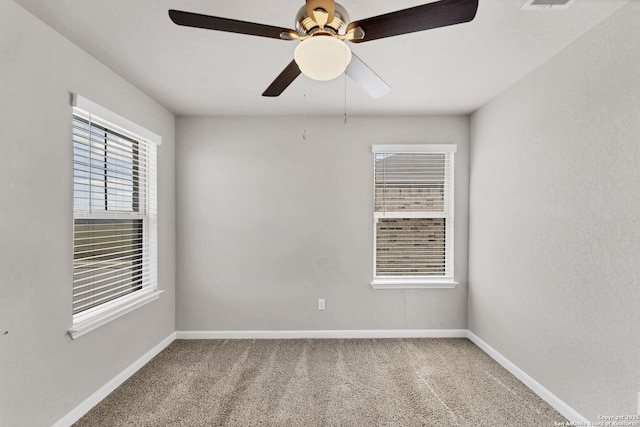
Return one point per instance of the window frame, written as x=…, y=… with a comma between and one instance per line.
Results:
x=94, y=317
x=446, y=281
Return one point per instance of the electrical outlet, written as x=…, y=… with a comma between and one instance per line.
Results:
x=321, y=304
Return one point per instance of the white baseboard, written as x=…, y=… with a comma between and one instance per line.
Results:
x=553, y=400
x=365, y=333
x=114, y=383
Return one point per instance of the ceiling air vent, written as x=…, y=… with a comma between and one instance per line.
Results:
x=547, y=4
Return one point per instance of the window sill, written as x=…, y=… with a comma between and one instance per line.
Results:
x=84, y=323
x=398, y=283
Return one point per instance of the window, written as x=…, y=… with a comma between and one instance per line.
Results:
x=114, y=217
x=413, y=216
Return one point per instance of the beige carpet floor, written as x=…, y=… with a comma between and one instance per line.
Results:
x=367, y=382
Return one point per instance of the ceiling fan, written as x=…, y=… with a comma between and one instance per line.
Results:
x=323, y=26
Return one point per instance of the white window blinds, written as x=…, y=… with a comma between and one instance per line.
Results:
x=114, y=206
x=413, y=211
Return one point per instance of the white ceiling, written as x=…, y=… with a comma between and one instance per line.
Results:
x=452, y=70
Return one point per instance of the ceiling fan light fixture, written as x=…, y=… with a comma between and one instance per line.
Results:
x=322, y=57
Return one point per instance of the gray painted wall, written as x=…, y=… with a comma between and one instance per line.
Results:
x=269, y=222
x=43, y=373
x=554, y=231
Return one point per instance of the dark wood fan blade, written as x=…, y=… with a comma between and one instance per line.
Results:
x=284, y=79
x=419, y=18
x=366, y=78
x=196, y=20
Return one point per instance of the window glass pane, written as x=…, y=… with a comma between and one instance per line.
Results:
x=106, y=169
x=107, y=260
x=410, y=247
x=410, y=182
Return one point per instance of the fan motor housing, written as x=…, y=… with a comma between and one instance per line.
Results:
x=307, y=26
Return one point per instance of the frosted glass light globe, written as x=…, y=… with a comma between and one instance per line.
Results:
x=322, y=57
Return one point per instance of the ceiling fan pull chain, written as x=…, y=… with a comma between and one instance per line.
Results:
x=304, y=116
x=345, y=97
x=344, y=75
